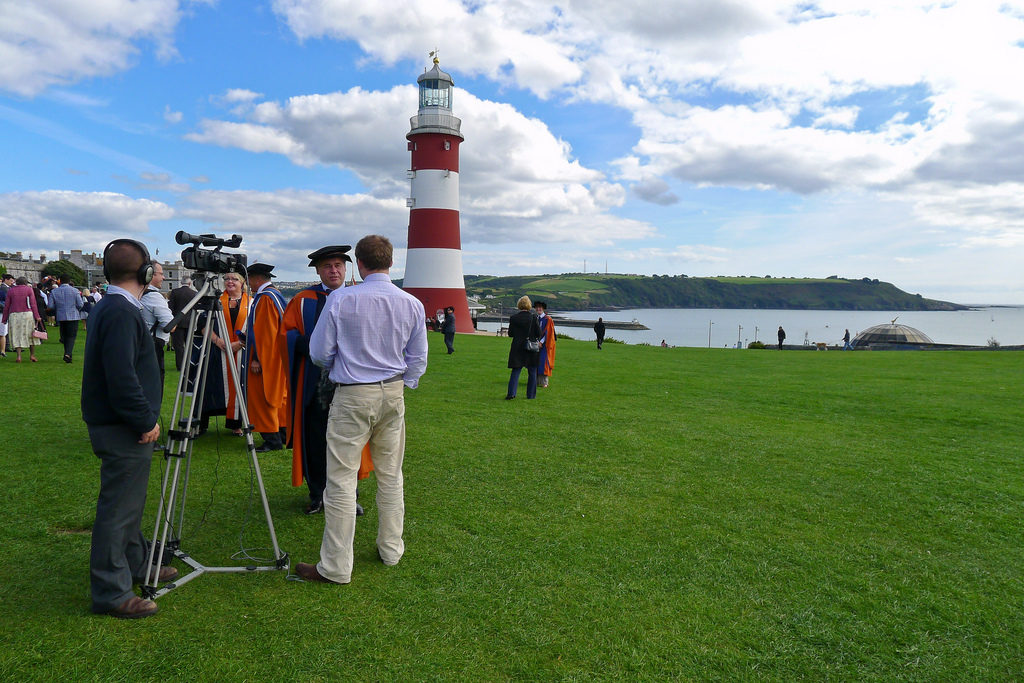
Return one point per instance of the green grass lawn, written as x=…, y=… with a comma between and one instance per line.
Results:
x=655, y=513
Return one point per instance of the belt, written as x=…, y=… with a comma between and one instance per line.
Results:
x=389, y=380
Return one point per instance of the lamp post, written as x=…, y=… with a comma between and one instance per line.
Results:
x=709, y=333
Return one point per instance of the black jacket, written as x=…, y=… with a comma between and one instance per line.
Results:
x=120, y=376
x=521, y=326
x=448, y=326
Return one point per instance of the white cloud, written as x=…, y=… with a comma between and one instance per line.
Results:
x=282, y=227
x=171, y=116
x=776, y=94
x=506, y=41
x=48, y=42
x=236, y=95
x=55, y=219
x=517, y=179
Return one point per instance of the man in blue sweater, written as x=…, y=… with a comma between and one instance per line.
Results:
x=121, y=407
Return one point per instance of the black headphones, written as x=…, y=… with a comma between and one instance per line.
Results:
x=144, y=275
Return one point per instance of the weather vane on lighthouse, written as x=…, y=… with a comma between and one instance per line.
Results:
x=433, y=266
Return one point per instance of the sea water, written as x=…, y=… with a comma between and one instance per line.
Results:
x=719, y=327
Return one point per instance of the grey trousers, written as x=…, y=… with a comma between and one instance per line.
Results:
x=118, y=556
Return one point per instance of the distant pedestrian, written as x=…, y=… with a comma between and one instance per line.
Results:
x=156, y=314
x=663, y=344
x=846, y=341
x=599, y=331
x=22, y=315
x=782, y=337
x=522, y=327
x=547, y=343
x=67, y=304
x=180, y=297
x=448, y=328
x=5, y=286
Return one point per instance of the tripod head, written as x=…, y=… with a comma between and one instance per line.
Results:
x=211, y=286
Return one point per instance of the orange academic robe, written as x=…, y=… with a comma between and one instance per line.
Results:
x=233, y=410
x=547, y=354
x=296, y=328
x=266, y=393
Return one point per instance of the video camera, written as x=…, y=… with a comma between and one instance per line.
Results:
x=211, y=260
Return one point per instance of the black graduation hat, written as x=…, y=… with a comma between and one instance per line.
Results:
x=340, y=251
x=261, y=269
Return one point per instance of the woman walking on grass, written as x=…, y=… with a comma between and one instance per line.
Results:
x=21, y=314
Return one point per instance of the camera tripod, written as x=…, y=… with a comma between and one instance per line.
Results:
x=187, y=417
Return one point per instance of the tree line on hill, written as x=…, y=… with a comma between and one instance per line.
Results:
x=595, y=292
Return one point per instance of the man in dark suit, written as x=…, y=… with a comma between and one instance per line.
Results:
x=180, y=296
x=121, y=407
x=448, y=328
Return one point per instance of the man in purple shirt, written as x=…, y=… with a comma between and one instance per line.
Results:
x=372, y=340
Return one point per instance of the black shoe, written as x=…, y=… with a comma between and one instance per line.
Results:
x=509, y=398
x=359, y=510
x=67, y=358
x=265, y=448
x=315, y=507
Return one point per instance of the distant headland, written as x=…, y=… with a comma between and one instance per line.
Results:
x=589, y=291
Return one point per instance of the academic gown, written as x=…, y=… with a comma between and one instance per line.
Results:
x=233, y=410
x=266, y=392
x=547, y=352
x=303, y=376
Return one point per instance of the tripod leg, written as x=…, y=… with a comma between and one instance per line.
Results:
x=233, y=373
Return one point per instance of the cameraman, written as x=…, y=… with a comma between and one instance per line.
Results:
x=121, y=407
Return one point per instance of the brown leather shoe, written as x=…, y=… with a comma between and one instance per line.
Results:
x=167, y=573
x=309, y=572
x=134, y=608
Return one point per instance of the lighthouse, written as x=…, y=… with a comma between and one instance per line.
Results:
x=433, y=266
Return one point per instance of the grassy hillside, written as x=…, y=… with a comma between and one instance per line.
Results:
x=581, y=292
x=656, y=514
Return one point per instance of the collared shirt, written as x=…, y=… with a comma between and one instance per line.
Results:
x=155, y=311
x=370, y=333
x=114, y=289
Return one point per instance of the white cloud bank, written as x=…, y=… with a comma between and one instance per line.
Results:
x=48, y=42
x=55, y=219
x=516, y=179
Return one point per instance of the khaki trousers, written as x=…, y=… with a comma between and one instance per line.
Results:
x=361, y=414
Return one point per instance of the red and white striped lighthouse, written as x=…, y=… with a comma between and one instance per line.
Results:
x=433, y=266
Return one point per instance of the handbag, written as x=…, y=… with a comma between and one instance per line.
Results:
x=533, y=345
x=39, y=334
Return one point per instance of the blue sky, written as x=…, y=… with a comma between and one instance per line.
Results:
x=881, y=140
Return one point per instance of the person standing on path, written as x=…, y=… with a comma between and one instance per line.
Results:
x=599, y=331
x=846, y=341
x=782, y=337
x=372, y=341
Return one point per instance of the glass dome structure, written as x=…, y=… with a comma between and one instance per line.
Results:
x=891, y=333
